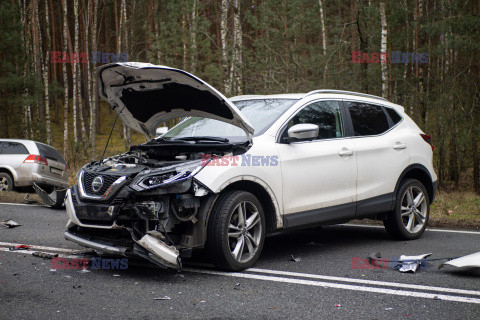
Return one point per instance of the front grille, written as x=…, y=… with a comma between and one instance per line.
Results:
x=88, y=177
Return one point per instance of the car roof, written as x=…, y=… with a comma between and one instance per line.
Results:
x=324, y=93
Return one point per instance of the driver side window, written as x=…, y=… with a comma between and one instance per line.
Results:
x=325, y=114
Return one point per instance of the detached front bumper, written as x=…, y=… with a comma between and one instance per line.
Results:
x=148, y=247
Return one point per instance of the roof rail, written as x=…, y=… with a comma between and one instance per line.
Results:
x=345, y=92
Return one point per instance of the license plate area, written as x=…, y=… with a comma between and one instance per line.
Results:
x=56, y=171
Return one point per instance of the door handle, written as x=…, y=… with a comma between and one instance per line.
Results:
x=399, y=146
x=345, y=152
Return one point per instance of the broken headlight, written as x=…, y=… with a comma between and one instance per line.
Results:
x=157, y=179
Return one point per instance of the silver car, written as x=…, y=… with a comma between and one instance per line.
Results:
x=26, y=163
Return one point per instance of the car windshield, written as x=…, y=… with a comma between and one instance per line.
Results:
x=261, y=113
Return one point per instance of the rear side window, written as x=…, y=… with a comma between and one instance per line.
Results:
x=393, y=115
x=367, y=119
x=12, y=148
x=50, y=153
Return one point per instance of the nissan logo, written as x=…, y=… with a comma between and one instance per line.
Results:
x=97, y=183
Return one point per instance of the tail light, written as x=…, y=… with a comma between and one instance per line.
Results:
x=427, y=139
x=36, y=159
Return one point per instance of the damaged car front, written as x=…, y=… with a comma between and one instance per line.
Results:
x=146, y=202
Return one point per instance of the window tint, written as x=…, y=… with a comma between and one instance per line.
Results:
x=13, y=148
x=393, y=115
x=367, y=119
x=50, y=153
x=325, y=114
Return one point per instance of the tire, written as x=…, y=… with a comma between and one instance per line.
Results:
x=231, y=244
x=409, y=218
x=6, y=182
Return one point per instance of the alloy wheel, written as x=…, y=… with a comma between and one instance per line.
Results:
x=413, y=209
x=244, y=231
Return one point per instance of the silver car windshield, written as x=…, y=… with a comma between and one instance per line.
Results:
x=261, y=113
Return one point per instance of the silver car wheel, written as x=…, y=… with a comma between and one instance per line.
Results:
x=244, y=231
x=413, y=209
x=4, y=184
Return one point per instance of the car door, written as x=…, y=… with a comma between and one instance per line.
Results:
x=318, y=176
x=382, y=155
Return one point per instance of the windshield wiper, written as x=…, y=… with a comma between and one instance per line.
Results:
x=202, y=138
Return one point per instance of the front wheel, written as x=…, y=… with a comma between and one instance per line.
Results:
x=410, y=216
x=236, y=231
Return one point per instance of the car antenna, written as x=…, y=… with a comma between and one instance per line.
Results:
x=110, y=135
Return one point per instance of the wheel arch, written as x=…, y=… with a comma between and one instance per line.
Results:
x=420, y=173
x=264, y=195
x=9, y=171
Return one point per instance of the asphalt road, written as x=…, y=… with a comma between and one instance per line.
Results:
x=321, y=285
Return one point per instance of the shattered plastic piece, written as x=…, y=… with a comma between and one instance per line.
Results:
x=388, y=309
x=411, y=263
x=373, y=258
x=162, y=298
x=116, y=275
x=45, y=255
x=76, y=287
x=21, y=247
x=10, y=223
x=471, y=260
x=84, y=271
x=53, y=270
x=292, y=258
x=338, y=305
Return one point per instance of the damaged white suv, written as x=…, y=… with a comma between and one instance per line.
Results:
x=237, y=169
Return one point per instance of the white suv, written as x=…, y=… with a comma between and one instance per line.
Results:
x=237, y=169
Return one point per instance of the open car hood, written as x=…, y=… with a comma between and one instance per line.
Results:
x=145, y=95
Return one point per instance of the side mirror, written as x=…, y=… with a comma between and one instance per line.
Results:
x=161, y=131
x=302, y=131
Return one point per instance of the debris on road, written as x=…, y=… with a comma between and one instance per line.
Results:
x=162, y=298
x=411, y=263
x=338, y=305
x=373, y=258
x=388, y=309
x=292, y=258
x=116, y=275
x=76, y=287
x=84, y=271
x=45, y=255
x=10, y=223
x=471, y=260
x=20, y=247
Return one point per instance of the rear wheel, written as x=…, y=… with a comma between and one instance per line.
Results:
x=412, y=209
x=6, y=182
x=236, y=231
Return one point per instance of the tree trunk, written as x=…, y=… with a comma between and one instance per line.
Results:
x=193, y=37
x=93, y=90
x=237, y=45
x=383, y=50
x=223, y=34
x=75, y=77
x=122, y=34
x=46, y=70
x=324, y=41
x=65, y=80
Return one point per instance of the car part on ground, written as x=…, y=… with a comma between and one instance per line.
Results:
x=54, y=199
x=468, y=261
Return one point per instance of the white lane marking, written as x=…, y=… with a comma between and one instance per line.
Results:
x=404, y=293
x=306, y=282
x=35, y=247
x=428, y=229
x=364, y=281
x=22, y=204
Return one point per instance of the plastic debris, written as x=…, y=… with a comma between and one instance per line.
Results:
x=338, y=305
x=292, y=258
x=163, y=298
x=469, y=261
x=20, y=247
x=44, y=255
x=373, y=258
x=10, y=223
x=116, y=275
x=84, y=271
x=387, y=309
x=76, y=286
x=411, y=263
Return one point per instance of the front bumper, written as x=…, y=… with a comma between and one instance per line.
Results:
x=148, y=247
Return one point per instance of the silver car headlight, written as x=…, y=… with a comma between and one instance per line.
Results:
x=165, y=176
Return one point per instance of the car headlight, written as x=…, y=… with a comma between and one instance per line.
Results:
x=166, y=176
